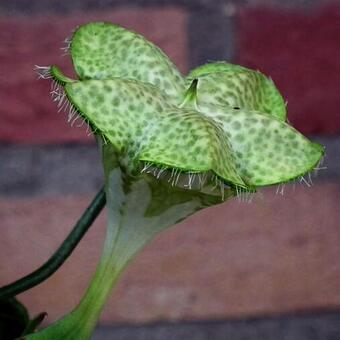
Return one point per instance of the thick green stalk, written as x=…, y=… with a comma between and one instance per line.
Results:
x=80, y=323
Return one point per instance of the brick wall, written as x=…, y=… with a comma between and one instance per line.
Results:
x=276, y=255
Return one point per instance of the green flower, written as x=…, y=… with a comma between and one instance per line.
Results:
x=171, y=145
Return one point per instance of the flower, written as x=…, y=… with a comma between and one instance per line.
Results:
x=171, y=145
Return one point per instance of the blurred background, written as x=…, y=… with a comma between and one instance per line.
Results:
x=269, y=269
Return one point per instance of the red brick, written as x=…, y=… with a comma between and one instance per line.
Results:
x=27, y=112
x=300, y=51
x=275, y=255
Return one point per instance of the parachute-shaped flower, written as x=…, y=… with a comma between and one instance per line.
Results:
x=171, y=145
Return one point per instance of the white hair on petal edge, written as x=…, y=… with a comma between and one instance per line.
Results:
x=67, y=46
x=173, y=182
x=160, y=172
x=67, y=42
x=244, y=195
x=43, y=72
x=190, y=176
x=280, y=189
x=319, y=167
x=146, y=167
x=306, y=179
x=303, y=180
x=59, y=96
x=222, y=189
x=177, y=177
x=310, y=179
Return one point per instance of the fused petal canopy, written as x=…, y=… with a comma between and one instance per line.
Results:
x=222, y=119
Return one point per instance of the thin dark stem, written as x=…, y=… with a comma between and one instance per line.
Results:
x=62, y=253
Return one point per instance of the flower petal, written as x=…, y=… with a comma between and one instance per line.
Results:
x=104, y=50
x=236, y=86
x=267, y=150
x=121, y=109
x=185, y=140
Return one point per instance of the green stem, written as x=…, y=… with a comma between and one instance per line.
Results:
x=62, y=253
x=85, y=317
